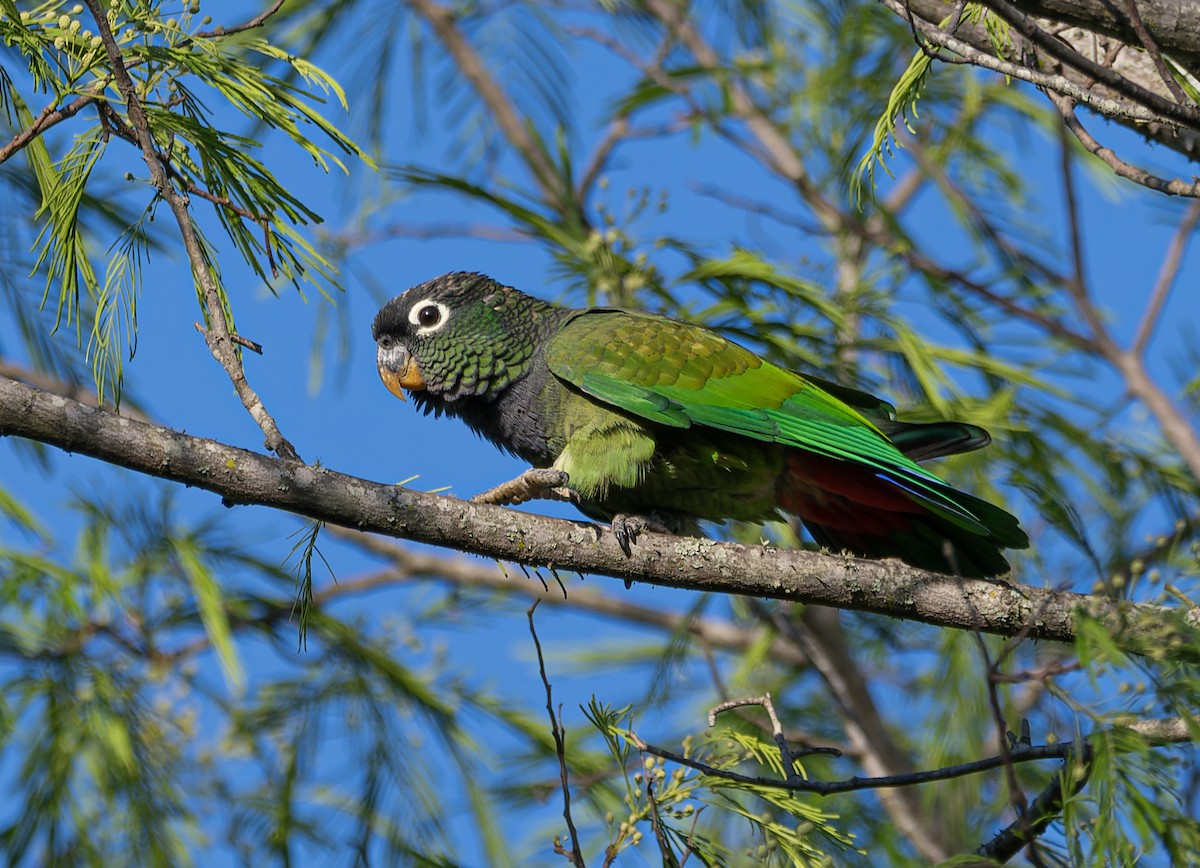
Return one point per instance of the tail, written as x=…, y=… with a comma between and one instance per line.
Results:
x=852, y=507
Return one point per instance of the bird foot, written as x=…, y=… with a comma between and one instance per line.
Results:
x=627, y=527
x=534, y=484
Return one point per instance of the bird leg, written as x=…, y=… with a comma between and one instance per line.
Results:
x=534, y=484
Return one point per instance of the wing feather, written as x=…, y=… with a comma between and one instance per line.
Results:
x=677, y=374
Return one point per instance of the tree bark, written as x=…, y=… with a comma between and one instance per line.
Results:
x=1101, y=31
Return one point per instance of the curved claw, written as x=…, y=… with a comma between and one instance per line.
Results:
x=626, y=529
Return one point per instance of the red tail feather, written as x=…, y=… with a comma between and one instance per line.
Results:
x=840, y=495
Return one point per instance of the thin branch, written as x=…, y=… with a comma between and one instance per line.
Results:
x=796, y=783
x=617, y=132
x=1041, y=812
x=575, y=857
x=253, y=346
x=1167, y=274
x=886, y=586
x=1076, y=284
x=255, y=22
x=436, y=231
x=47, y=118
x=1165, y=732
x=786, y=754
x=1016, y=795
x=500, y=106
x=1176, y=427
x=50, y=116
x=1173, y=187
x=1147, y=40
x=218, y=336
x=656, y=823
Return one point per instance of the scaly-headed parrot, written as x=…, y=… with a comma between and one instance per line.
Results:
x=652, y=422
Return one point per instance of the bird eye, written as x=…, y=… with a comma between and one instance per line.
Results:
x=428, y=315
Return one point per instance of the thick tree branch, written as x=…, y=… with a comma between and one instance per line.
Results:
x=887, y=587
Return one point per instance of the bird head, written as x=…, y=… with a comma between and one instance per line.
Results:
x=456, y=336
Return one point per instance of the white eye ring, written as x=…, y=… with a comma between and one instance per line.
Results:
x=428, y=316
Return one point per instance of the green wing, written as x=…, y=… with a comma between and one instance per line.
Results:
x=679, y=375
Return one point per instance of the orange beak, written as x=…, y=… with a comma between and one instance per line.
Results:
x=399, y=371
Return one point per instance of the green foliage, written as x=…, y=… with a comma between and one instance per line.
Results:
x=667, y=806
x=173, y=65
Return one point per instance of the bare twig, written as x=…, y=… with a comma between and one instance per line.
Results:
x=1041, y=812
x=427, y=230
x=617, y=131
x=1157, y=732
x=1148, y=42
x=500, y=106
x=47, y=118
x=1016, y=796
x=218, y=335
x=1173, y=187
x=786, y=754
x=664, y=848
x=255, y=22
x=253, y=346
x=1167, y=273
x=575, y=856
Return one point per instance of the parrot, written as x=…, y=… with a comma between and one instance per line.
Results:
x=653, y=423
